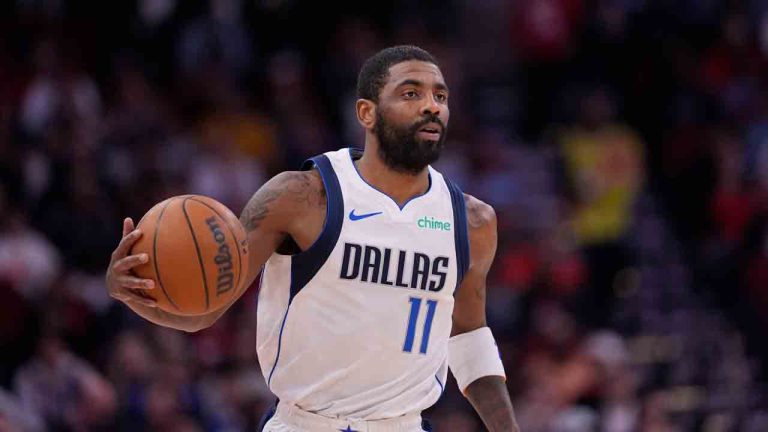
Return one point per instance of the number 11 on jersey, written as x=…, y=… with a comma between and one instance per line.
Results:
x=413, y=316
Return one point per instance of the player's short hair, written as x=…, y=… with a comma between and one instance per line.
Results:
x=375, y=70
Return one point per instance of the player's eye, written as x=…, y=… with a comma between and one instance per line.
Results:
x=410, y=94
x=441, y=97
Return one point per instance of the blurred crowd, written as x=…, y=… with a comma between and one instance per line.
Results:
x=623, y=144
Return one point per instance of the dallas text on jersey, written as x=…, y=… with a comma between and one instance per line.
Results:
x=372, y=264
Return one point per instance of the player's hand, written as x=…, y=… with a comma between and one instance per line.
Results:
x=121, y=283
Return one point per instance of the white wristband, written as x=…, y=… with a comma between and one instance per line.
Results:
x=474, y=355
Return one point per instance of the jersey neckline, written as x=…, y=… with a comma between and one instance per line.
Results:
x=401, y=208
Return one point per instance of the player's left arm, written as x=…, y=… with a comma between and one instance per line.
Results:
x=473, y=355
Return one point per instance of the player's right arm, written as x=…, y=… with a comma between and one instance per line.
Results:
x=278, y=209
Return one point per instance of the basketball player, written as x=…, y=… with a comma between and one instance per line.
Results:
x=373, y=271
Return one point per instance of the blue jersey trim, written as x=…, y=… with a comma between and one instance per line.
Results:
x=279, y=344
x=461, y=233
x=305, y=265
x=442, y=389
x=355, y=153
x=261, y=283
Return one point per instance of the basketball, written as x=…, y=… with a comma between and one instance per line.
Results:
x=197, y=252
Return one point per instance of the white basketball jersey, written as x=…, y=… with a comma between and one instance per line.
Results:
x=357, y=326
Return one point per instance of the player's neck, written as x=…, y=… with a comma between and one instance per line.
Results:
x=401, y=187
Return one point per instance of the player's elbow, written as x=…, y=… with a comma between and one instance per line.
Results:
x=193, y=324
x=186, y=327
x=204, y=321
x=193, y=328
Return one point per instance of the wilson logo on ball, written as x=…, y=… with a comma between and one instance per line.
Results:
x=223, y=259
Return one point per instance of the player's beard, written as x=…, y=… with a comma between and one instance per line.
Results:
x=401, y=149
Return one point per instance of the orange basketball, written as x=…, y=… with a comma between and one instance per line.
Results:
x=198, y=254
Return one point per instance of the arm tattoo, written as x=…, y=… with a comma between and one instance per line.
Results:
x=491, y=400
x=302, y=189
x=258, y=208
x=299, y=186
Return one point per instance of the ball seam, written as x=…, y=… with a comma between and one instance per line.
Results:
x=199, y=255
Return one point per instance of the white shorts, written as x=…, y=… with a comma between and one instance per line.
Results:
x=289, y=418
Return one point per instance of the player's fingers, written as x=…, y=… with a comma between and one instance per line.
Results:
x=127, y=226
x=126, y=243
x=130, y=282
x=129, y=262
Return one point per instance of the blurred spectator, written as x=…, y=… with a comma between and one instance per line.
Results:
x=545, y=35
x=57, y=88
x=64, y=389
x=217, y=40
x=27, y=259
x=617, y=387
x=302, y=127
x=604, y=165
x=221, y=170
x=732, y=204
x=14, y=417
x=756, y=154
x=546, y=30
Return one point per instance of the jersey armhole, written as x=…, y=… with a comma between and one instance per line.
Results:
x=461, y=233
x=306, y=264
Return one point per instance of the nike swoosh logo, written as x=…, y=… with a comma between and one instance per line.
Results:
x=354, y=217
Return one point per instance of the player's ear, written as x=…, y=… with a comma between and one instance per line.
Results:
x=366, y=113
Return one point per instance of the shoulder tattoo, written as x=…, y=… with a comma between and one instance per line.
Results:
x=301, y=188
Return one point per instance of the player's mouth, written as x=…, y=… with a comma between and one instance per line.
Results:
x=430, y=131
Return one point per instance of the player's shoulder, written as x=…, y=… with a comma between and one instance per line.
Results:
x=299, y=187
x=481, y=224
x=480, y=215
x=297, y=181
x=284, y=199
x=293, y=192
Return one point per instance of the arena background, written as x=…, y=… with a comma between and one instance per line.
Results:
x=623, y=143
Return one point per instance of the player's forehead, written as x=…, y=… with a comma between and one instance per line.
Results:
x=414, y=71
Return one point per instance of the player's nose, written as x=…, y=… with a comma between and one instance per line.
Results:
x=430, y=107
